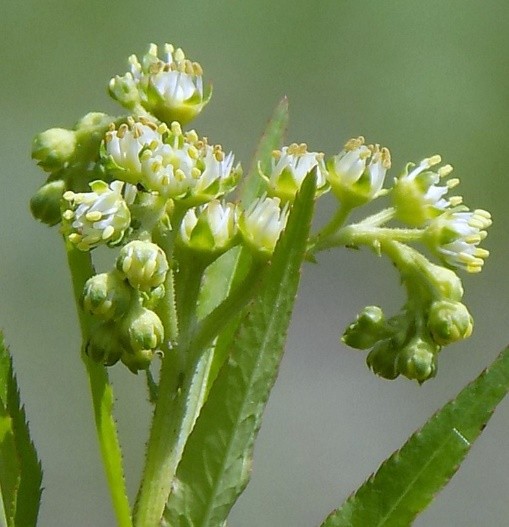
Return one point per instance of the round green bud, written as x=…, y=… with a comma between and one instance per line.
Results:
x=45, y=204
x=54, y=148
x=142, y=329
x=137, y=360
x=104, y=346
x=153, y=297
x=447, y=282
x=417, y=360
x=382, y=359
x=106, y=296
x=367, y=330
x=449, y=322
x=143, y=263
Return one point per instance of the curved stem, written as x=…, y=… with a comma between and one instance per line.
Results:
x=81, y=268
x=334, y=224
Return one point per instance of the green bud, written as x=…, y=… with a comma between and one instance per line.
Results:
x=138, y=360
x=54, y=148
x=106, y=296
x=449, y=322
x=104, y=346
x=153, y=297
x=45, y=204
x=369, y=327
x=142, y=329
x=143, y=263
x=382, y=359
x=417, y=360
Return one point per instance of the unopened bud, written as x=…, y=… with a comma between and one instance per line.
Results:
x=104, y=346
x=106, y=296
x=54, y=148
x=367, y=330
x=417, y=360
x=137, y=360
x=449, y=322
x=142, y=329
x=45, y=204
x=143, y=263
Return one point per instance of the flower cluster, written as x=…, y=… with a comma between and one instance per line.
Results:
x=141, y=178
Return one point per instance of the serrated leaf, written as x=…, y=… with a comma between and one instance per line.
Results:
x=408, y=480
x=216, y=464
x=18, y=457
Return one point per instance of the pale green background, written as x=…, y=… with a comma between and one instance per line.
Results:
x=421, y=77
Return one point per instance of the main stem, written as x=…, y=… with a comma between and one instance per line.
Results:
x=81, y=268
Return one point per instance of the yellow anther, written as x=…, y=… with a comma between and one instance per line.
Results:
x=94, y=215
x=386, y=157
x=178, y=55
x=152, y=50
x=175, y=128
x=354, y=143
x=433, y=160
x=108, y=232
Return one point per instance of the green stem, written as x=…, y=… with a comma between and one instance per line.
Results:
x=334, y=224
x=81, y=268
x=179, y=402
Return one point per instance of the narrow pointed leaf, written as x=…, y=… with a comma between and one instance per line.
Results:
x=20, y=470
x=228, y=271
x=408, y=480
x=216, y=464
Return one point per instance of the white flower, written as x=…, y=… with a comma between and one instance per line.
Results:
x=125, y=145
x=417, y=196
x=210, y=228
x=185, y=167
x=96, y=217
x=455, y=236
x=290, y=165
x=262, y=223
x=170, y=89
x=357, y=173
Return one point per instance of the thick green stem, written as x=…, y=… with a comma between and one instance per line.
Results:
x=81, y=268
x=179, y=402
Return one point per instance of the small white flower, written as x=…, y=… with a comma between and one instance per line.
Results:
x=357, y=173
x=417, y=196
x=455, y=236
x=262, y=223
x=290, y=165
x=185, y=167
x=210, y=228
x=170, y=88
x=125, y=145
x=96, y=217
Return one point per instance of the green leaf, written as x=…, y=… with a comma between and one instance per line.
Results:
x=216, y=464
x=224, y=274
x=252, y=184
x=20, y=470
x=408, y=480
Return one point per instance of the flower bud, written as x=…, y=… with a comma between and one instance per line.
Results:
x=142, y=329
x=153, y=297
x=367, y=330
x=143, y=263
x=417, y=360
x=447, y=282
x=54, y=148
x=210, y=229
x=382, y=359
x=45, y=204
x=106, y=296
x=137, y=360
x=104, y=346
x=449, y=322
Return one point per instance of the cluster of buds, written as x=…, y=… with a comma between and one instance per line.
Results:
x=122, y=301
x=409, y=343
x=127, y=181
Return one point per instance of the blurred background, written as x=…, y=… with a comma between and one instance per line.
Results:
x=419, y=77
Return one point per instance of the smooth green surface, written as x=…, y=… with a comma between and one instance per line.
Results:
x=418, y=77
x=20, y=470
x=405, y=484
x=216, y=464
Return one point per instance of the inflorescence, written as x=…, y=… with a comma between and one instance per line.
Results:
x=126, y=182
